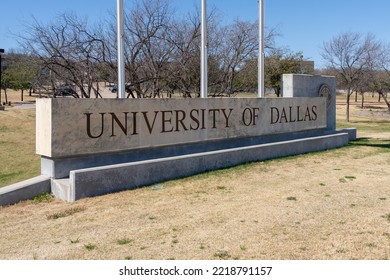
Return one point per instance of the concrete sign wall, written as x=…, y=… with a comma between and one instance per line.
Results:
x=72, y=127
x=91, y=147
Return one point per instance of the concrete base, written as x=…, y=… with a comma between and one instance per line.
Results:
x=113, y=178
x=61, y=188
x=59, y=168
x=24, y=190
x=351, y=133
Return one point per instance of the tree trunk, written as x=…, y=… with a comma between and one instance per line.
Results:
x=21, y=96
x=356, y=96
x=387, y=101
x=156, y=87
x=348, y=101
x=362, y=100
x=277, y=91
x=6, y=96
x=130, y=93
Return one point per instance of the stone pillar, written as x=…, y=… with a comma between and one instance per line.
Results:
x=298, y=85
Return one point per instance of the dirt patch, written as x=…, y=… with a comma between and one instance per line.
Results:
x=372, y=111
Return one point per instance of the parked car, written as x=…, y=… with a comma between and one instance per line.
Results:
x=113, y=88
x=65, y=90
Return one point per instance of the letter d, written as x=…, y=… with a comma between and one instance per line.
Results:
x=274, y=115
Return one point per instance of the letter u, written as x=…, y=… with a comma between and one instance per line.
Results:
x=89, y=125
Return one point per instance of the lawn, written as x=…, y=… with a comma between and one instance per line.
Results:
x=17, y=146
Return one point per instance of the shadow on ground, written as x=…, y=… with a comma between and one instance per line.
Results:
x=371, y=142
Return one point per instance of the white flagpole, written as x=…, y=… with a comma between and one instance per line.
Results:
x=261, y=51
x=121, y=61
x=203, y=63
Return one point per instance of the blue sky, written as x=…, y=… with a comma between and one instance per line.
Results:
x=304, y=24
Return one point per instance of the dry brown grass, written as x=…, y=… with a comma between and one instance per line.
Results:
x=328, y=205
x=17, y=146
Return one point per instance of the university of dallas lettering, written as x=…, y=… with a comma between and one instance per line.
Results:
x=293, y=114
x=168, y=121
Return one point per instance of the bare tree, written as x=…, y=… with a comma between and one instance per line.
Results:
x=382, y=76
x=69, y=49
x=157, y=48
x=240, y=43
x=365, y=83
x=350, y=54
x=147, y=48
x=380, y=84
x=161, y=53
x=185, y=65
x=184, y=34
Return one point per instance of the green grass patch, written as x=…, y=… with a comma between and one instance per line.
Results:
x=11, y=175
x=65, y=213
x=90, y=246
x=217, y=173
x=387, y=217
x=75, y=241
x=370, y=125
x=293, y=157
x=123, y=241
x=223, y=255
x=291, y=198
x=9, y=129
x=44, y=197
